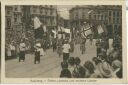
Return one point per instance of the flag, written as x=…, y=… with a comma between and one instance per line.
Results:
x=88, y=32
x=83, y=35
x=59, y=36
x=44, y=28
x=67, y=30
x=100, y=29
x=37, y=23
x=59, y=29
x=62, y=29
x=54, y=33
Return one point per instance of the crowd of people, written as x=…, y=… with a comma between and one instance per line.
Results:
x=99, y=67
x=106, y=64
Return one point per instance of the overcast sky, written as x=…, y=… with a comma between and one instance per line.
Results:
x=127, y=4
x=63, y=10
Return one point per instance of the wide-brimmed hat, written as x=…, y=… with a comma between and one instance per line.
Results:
x=38, y=45
x=105, y=70
x=116, y=64
x=77, y=60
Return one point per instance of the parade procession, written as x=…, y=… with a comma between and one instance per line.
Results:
x=48, y=41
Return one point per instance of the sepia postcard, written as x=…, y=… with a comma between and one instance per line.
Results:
x=64, y=41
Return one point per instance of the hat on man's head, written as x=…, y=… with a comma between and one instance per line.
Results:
x=77, y=60
x=96, y=60
x=89, y=66
x=38, y=45
x=105, y=70
x=71, y=60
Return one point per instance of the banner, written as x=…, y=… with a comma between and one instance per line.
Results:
x=59, y=36
x=67, y=30
x=83, y=35
x=37, y=23
x=62, y=29
x=100, y=29
x=54, y=33
x=88, y=32
x=44, y=28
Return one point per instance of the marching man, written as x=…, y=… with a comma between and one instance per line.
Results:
x=38, y=52
x=22, y=51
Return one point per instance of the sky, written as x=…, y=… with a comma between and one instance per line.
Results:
x=127, y=4
x=63, y=10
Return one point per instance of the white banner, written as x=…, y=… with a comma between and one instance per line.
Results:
x=67, y=30
x=100, y=29
x=88, y=32
x=59, y=36
x=44, y=28
x=37, y=23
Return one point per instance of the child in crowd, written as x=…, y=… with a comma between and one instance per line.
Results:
x=79, y=71
x=65, y=73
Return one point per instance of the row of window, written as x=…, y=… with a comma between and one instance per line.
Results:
x=44, y=11
x=115, y=13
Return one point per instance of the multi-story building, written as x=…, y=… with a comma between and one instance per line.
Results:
x=13, y=23
x=46, y=13
x=63, y=22
x=110, y=16
x=19, y=17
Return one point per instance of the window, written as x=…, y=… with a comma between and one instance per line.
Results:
x=15, y=19
x=118, y=14
x=102, y=17
x=51, y=12
x=15, y=15
x=109, y=13
x=76, y=16
x=34, y=9
x=95, y=17
x=114, y=13
x=8, y=12
x=15, y=8
x=8, y=23
x=117, y=20
x=51, y=6
x=46, y=12
x=83, y=16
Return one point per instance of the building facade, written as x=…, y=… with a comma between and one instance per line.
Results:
x=18, y=19
x=13, y=23
x=110, y=16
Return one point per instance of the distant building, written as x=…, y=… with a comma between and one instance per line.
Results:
x=63, y=22
x=18, y=19
x=110, y=16
x=13, y=23
x=47, y=14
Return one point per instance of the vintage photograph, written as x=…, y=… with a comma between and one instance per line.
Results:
x=63, y=41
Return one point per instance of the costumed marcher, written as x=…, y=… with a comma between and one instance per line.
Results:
x=98, y=47
x=13, y=50
x=22, y=51
x=59, y=47
x=66, y=50
x=38, y=53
